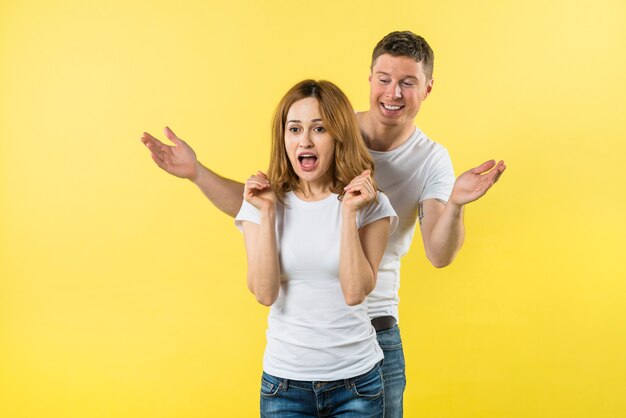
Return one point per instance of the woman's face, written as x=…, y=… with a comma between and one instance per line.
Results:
x=310, y=148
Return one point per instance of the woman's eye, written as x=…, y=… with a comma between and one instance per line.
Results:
x=293, y=129
x=320, y=129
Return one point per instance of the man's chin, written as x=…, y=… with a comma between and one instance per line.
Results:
x=390, y=120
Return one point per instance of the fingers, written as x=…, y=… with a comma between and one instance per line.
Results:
x=360, y=183
x=258, y=191
x=256, y=183
x=366, y=190
x=497, y=172
x=260, y=177
x=156, y=148
x=484, y=167
x=149, y=140
x=494, y=175
x=172, y=136
x=361, y=186
x=489, y=179
x=159, y=161
x=153, y=144
x=364, y=183
x=365, y=174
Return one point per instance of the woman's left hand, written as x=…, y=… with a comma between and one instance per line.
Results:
x=359, y=192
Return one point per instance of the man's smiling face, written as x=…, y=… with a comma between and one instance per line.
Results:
x=398, y=86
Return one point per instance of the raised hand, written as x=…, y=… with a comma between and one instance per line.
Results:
x=474, y=183
x=179, y=160
x=258, y=192
x=359, y=192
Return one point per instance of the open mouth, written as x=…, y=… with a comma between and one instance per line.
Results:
x=307, y=161
x=392, y=108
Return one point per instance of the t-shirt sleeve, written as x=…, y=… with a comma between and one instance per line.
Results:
x=440, y=177
x=249, y=213
x=376, y=211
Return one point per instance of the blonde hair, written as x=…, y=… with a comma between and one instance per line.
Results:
x=351, y=155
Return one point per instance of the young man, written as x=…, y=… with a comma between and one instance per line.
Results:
x=413, y=171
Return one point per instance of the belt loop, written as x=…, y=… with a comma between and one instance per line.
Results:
x=348, y=383
x=285, y=384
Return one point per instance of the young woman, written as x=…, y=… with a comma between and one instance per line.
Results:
x=315, y=229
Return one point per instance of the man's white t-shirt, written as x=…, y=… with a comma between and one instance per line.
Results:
x=417, y=170
x=312, y=333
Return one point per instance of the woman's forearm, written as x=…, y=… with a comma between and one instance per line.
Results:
x=263, y=266
x=356, y=275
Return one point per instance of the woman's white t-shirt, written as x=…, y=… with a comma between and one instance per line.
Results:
x=312, y=333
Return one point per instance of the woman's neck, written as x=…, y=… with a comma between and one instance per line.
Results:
x=313, y=190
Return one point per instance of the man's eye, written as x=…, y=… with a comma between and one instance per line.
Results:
x=383, y=80
x=408, y=84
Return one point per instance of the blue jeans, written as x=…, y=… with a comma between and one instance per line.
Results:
x=362, y=396
x=393, y=370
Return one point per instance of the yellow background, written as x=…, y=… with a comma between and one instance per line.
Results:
x=122, y=290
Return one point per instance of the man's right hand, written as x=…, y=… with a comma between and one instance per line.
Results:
x=179, y=160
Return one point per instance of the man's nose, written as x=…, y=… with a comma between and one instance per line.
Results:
x=394, y=91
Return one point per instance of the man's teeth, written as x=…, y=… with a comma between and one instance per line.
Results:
x=390, y=107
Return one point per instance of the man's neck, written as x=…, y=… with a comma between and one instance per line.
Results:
x=379, y=137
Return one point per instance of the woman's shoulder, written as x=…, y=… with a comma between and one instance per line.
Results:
x=378, y=209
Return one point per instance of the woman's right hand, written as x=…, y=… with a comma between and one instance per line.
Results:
x=259, y=193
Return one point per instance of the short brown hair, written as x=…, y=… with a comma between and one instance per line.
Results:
x=406, y=44
x=351, y=155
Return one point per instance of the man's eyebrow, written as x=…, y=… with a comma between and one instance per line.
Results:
x=403, y=77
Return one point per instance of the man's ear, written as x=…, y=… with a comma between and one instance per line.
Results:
x=429, y=87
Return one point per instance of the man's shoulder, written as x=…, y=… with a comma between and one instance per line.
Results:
x=422, y=138
x=420, y=144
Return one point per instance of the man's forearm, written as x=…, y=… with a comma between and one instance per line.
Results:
x=444, y=232
x=446, y=237
x=225, y=194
